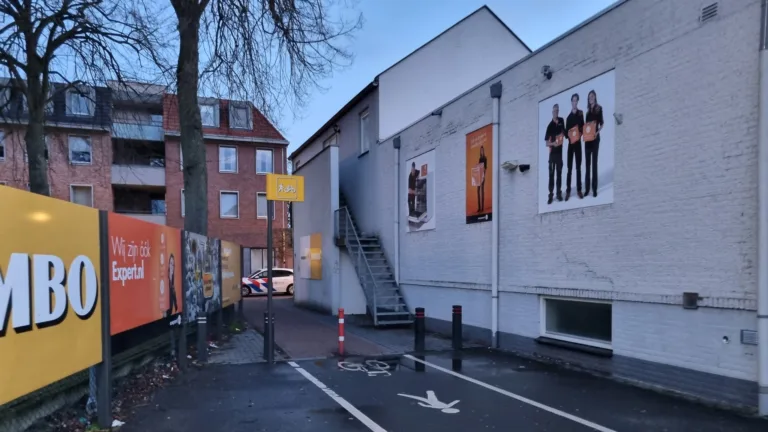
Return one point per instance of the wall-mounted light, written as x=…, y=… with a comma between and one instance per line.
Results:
x=514, y=165
x=546, y=70
x=437, y=112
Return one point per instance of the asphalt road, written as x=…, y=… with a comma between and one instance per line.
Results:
x=479, y=391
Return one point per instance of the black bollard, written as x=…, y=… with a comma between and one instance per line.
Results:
x=457, y=336
x=419, y=331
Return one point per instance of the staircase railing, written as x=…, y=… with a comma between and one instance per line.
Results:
x=346, y=229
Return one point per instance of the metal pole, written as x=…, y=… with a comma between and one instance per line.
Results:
x=266, y=335
x=341, y=331
x=419, y=339
x=457, y=336
x=270, y=331
x=202, y=335
x=104, y=377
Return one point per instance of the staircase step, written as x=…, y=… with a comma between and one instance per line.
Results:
x=395, y=322
x=392, y=313
x=389, y=297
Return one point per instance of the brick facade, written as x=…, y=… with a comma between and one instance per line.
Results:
x=248, y=229
x=62, y=174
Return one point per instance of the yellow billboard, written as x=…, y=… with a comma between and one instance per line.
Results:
x=50, y=314
x=285, y=188
x=231, y=277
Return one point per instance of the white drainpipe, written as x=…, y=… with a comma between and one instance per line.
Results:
x=762, y=254
x=396, y=209
x=495, y=95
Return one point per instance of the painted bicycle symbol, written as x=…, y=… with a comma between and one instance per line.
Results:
x=371, y=367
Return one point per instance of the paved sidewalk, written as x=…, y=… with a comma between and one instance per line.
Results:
x=304, y=334
x=244, y=348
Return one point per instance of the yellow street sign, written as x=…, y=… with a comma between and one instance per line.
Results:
x=285, y=188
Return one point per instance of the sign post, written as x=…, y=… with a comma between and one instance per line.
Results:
x=280, y=187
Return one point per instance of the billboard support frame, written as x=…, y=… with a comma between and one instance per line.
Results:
x=104, y=374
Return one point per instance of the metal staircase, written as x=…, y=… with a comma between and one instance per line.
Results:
x=386, y=304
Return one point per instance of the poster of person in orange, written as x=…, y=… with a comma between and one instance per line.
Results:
x=145, y=273
x=479, y=175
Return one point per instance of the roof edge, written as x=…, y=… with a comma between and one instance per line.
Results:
x=368, y=89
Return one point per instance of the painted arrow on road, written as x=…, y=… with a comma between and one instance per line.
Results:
x=431, y=401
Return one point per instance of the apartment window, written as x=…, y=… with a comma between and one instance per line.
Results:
x=229, y=205
x=181, y=158
x=264, y=162
x=365, y=133
x=80, y=150
x=182, y=203
x=577, y=321
x=81, y=194
x=80, y=102
x=261, y=206
x=2, y=146
x=240, y=117
x=227, y=159
x=208, y=114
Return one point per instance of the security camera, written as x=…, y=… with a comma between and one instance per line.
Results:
x=524, y=167
x=546, y=71
x=509, y=165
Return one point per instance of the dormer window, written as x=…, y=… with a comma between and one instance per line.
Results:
x=209, y=114
x=240, y=116
x=80, y=102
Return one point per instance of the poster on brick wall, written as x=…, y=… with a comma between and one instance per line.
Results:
x=420, y=190
x=479, y=175
x=576, y=146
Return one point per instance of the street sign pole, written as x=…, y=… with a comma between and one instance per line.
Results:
x=269, y=330
x=279, y=188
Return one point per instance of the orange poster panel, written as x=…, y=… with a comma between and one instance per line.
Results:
x=479, y=163
x=145, y=272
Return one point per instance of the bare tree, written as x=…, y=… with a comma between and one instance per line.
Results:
x=271, y=52
x=73, y=42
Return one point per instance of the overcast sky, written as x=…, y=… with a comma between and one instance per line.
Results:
x=395, y=28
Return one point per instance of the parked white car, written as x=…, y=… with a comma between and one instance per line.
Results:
x=256, y=283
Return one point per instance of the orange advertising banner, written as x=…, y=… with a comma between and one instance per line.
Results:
x=479, y=163
x=145, y=272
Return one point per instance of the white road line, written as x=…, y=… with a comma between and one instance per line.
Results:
x=549, y=409
x=372, y=425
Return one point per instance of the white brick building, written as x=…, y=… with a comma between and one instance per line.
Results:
x=683, y=218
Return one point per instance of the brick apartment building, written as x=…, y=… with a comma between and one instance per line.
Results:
x=119, y=150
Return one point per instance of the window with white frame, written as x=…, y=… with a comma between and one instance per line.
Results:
x=80, y=152
x=240, y=116
x=181, y=158
x=229, y=205
x=80, y=102
x=261, y=206
x=81, y=194
x=182, y=203
x=365, y=133
x=208, y=114
x=2, y=146
x=227, y=159
x=264, y=161
x=579, y=321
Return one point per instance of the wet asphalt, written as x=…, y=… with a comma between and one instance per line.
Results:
x=492, y=392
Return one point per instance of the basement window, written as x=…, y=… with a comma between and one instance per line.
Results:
x=583, y=322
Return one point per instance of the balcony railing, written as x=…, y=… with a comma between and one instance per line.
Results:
x=138, y=175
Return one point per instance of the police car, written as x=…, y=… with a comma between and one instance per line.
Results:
x=256, y=283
